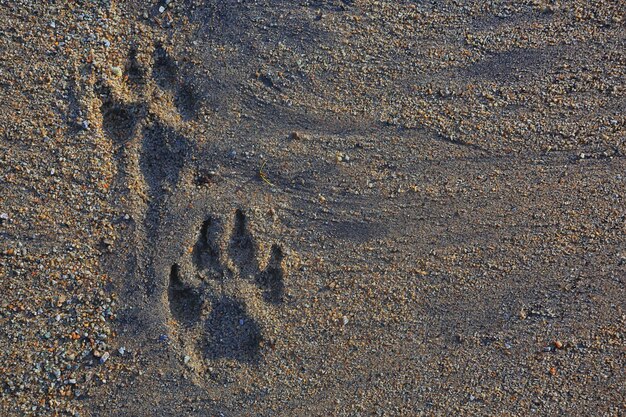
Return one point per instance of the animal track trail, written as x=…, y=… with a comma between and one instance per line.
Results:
x=224, y=327
x=148, y=147
x=161, y=161
x=219, y=295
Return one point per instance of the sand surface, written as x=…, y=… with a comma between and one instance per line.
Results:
x=312, y=208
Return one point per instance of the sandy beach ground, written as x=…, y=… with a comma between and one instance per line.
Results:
x=312, y=208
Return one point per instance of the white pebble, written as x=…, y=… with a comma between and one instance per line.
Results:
x=104, y=357
x=117, y=71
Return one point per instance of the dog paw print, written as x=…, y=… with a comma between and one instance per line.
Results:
x=144, y=112
x=212, y=291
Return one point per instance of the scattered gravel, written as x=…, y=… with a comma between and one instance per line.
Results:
x=448, y=176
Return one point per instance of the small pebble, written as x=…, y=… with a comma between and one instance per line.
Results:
x=117, y=71
x=104, y=357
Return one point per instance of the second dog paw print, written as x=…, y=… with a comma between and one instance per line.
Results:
x=210, y=298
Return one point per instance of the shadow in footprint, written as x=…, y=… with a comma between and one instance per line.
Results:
x=231, y=333
x=205, y=253
x=134, y=71
x=164, y=70
x=242, y=250
x=118, y=121
x=168, y=77
x=271, y=280
x=187, y=102
x=185, y=302
x=162, y=158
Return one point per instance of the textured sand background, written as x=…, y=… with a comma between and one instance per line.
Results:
x=312, y=208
